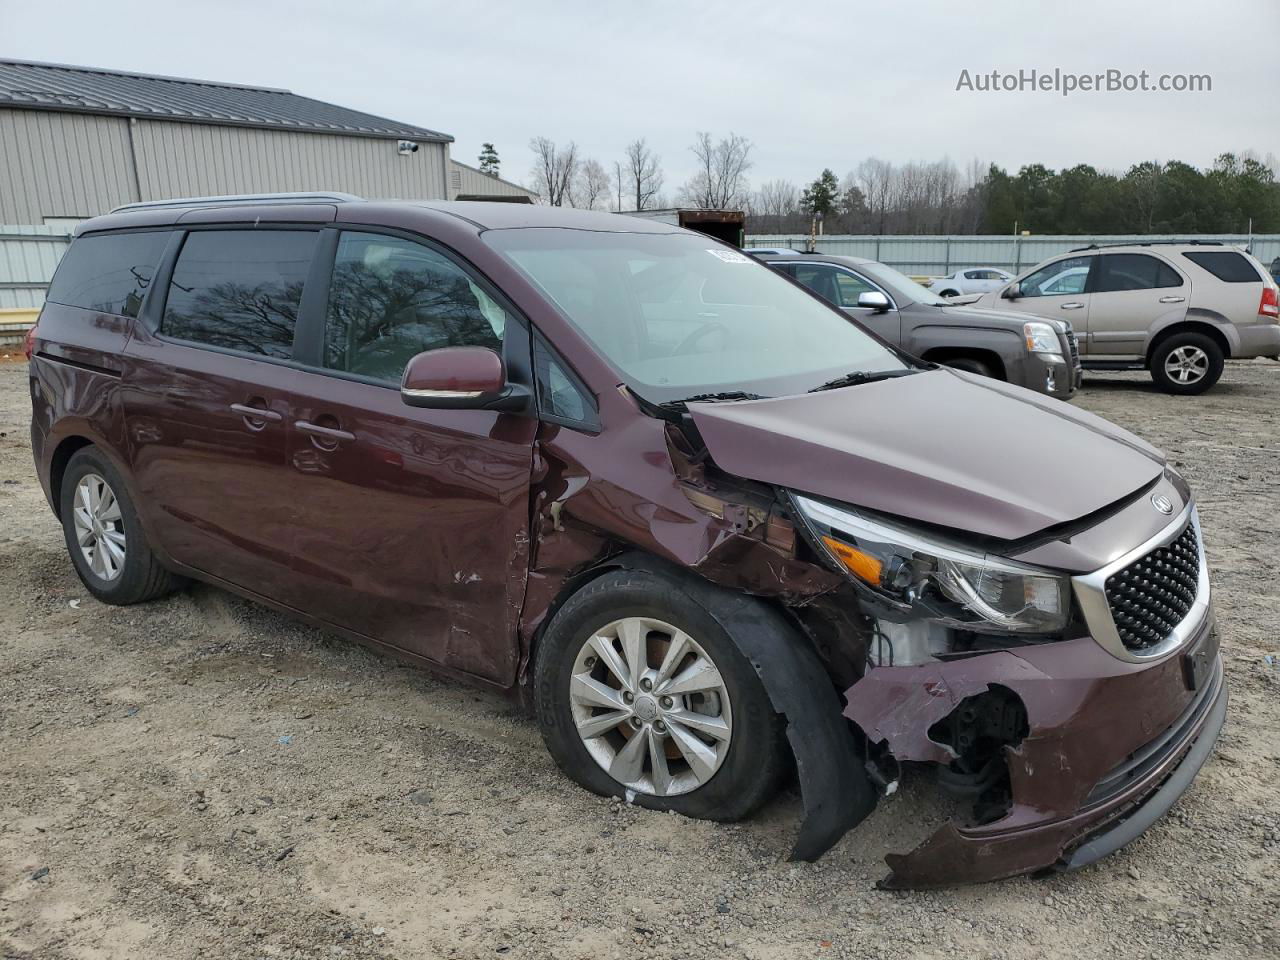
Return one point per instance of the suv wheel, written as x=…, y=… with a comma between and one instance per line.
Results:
x=1186, y=363
x=640, y=692
x=107, y=546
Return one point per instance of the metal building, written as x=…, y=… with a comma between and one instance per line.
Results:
x=77, y=141
x=468, y=183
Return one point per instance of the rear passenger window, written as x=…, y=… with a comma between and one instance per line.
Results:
x=239, y=289
x=1134, y=271
x=109, y=272
x=1227, y=266
x=392, y=298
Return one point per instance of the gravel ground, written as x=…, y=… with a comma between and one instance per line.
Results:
x=201, y=777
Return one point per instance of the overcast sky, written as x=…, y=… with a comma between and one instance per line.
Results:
x=812, y=84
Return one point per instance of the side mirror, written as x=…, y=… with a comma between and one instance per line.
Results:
x=874, y=300
x=1012, y=292
x=460, y=378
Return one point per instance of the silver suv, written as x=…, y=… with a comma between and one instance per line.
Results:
x=1176, y=308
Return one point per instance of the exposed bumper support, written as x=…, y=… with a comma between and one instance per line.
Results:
x=1089, y=715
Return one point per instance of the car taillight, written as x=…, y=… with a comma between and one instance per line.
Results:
x=29, y=342
x=1269, y=305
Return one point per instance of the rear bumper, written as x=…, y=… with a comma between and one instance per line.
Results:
x=1110, y=747
x=1257, y=340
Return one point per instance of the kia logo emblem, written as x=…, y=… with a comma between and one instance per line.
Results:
x=1162, y=503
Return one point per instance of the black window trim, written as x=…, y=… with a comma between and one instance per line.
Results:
x=841, y=268
x=152, y=312
x=517, y=351
x=155, y=279
x=589, y=424
x=1089, y=280
x=1095, y=271
x=1193, y=256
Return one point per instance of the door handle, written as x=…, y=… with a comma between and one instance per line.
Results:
x=256, y=413
x=1073, y=305
x=324, y=433
x=1173, y=299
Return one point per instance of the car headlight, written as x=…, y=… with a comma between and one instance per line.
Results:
x=1041, y=337
x=941, y=581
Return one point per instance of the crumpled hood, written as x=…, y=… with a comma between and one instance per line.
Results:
x=940, y=447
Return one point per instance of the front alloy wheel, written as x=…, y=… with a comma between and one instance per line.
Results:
x=642, y=692
x=651, y=706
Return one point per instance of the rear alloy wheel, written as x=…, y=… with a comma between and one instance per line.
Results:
x=949, y=293
x=1187, y=363
x=104, y=537
x=99, y=526
x=642, y=693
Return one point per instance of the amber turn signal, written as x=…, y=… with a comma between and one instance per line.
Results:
x=862, y=565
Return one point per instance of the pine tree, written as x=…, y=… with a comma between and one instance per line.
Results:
x=489, y=160
x=820, y=196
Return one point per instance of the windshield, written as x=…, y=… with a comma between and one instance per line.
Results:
x=678, y=315
x=900, y=286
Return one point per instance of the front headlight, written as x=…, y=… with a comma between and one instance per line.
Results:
x=941, y=581
x=1041, y=337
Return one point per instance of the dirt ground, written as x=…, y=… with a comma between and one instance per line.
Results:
x=201, y=777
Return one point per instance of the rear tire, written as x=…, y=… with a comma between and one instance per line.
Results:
x=1187, y=364
x=746, y=772
x=970, y=365
x=949, y=293
x=104, y=538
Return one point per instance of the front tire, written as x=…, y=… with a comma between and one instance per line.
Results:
x=104, y=538
x=640, y=692
x=1187, y=364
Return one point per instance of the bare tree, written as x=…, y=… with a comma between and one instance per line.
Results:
x=554, y=170
x=777, y=198
x=591, y=189
x=644, y=176
x=875, y=176
x=721, y=180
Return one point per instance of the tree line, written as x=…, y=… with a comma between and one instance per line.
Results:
x=1235, y=194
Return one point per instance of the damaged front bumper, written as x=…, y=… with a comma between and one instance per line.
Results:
x=1105, y=749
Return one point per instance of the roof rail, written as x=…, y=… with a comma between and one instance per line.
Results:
x=241, y=199
x=1152, y=243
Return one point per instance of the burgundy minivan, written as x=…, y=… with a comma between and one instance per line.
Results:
x=712, y=531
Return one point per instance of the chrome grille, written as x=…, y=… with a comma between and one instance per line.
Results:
x=1154, y=594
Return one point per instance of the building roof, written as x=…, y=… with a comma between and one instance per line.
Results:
x=477, y=170
x=30, y=85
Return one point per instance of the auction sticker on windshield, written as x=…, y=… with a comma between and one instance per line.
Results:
x=729, y=256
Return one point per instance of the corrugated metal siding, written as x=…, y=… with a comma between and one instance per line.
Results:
x=939, y=256
x=187, y=159
x=62, y=165
x=28, y=257
x=470, y=181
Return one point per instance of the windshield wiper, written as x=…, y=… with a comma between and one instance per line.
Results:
x=722, y=397
x=861, y=376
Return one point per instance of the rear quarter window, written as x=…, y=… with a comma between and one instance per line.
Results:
x=110, y=273
x=1228, y=266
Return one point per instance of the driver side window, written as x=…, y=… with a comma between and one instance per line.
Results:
x=1060, y=278
x=392, y=298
